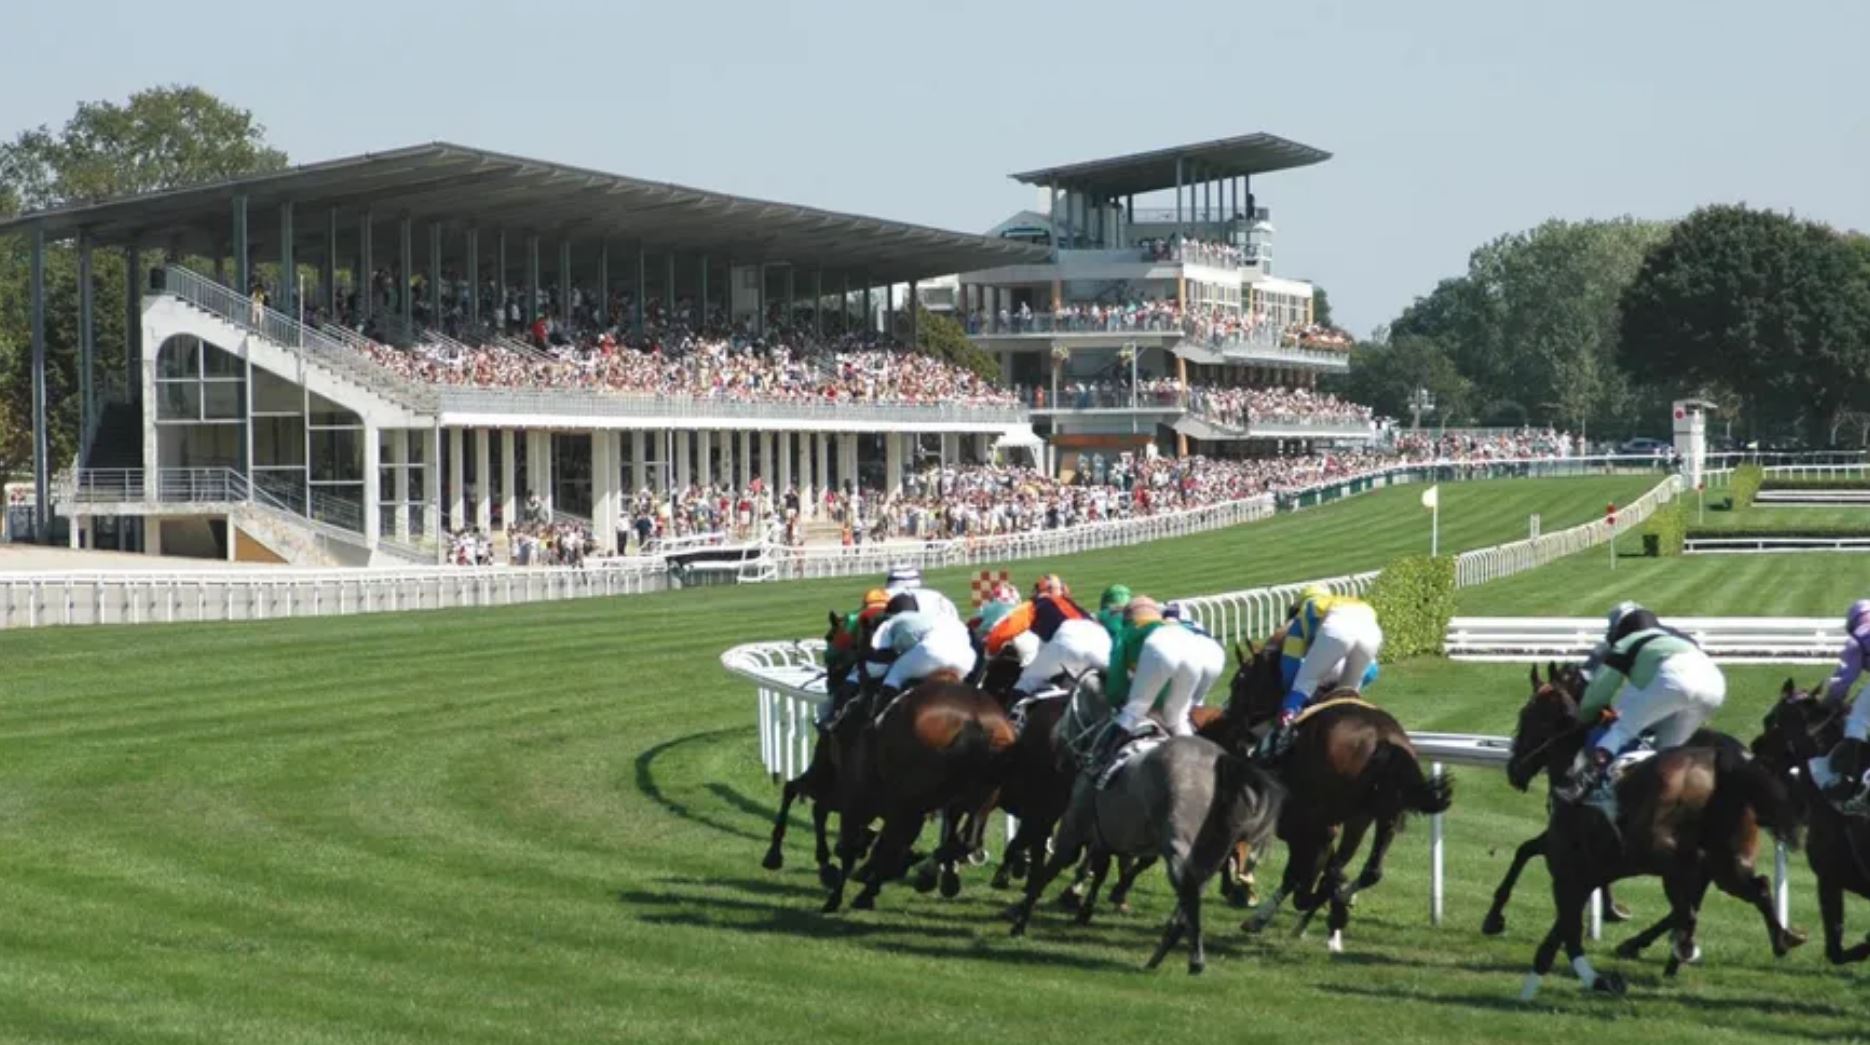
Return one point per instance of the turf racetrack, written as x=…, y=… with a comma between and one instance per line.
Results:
x=545, y=824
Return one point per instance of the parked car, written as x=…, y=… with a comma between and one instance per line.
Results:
x=1645, y=446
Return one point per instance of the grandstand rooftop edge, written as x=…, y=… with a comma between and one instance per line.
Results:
x=1142, y=172
x=441, y=180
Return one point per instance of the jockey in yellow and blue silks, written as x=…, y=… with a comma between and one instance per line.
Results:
x=1331, y=640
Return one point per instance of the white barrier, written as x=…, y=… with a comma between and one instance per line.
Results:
x=1505, y=560
x=1729, y=640
x=31, y=600
x=1772, y=545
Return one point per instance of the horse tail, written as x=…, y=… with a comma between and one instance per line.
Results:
x=1742, y=782
x=1244, y=808
x=1396, y=783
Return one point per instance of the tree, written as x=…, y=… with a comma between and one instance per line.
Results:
x=1758, y=306
x=1386, y=377
x=1321, y=307
x=161, y=138
x=1534, y=322
x=939, y=335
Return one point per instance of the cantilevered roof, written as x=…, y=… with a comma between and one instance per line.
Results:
x=460, y=188
x=1142, y=172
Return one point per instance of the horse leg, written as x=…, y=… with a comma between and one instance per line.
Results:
x=1495, y=922
x=888, y=856
x=1568, y=900
x=1372, y=872
x=1016, y=853
x=1614, y=912
x=1831, y=910
x=1302, y=855
x=1733, y=879
x=775, y=855
x=1188, y=888
x=930, y=870
x=1327, y=878
x=852, y=839
x=1685, y=888
x=821, y=817
x=1069, y=848
x=1129, y=871
x=1100, y=866
x=1171, y=933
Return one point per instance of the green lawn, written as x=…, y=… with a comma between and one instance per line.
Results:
x=1779, y=517
x=1813, y=584
x=545, y=823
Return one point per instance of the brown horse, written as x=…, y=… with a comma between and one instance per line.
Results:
x=1691, y=817
x=1799, y=728
x=1350, y=768
x=939, y=747
x=844, y=643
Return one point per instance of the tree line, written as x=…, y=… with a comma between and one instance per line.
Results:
x=1595, y=326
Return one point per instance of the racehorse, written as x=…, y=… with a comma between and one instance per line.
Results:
x=939, y=747
x=1799, y=728
x=1186, y=801
x=844, y=644
x=1350, y=767
x=1692, y=818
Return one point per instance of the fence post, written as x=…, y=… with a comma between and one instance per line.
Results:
x=1437, y=844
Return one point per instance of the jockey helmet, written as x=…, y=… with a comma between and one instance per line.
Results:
x=1115, y=597
x=1617, y=614
x=991, y=614
x=1004, y=592
x=1142, y=608
x=903, y=577
x=1313, y=591
x=1049, y=584
x=903, y=602
x=876, y=597
x=1172, y=611
x=1858, y=611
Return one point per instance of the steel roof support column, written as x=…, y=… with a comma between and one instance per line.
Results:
x=889, y=310
x=367, y=279
x=500, y=301
x=642, y=289
x=701, y=300
x=870, y=322
x=405, y=297
x=564, y=281
x=603, y=284
x=473, y=281
x=760, y=268
x=41, y=446
x=1051, y=217
x=1178, y=196
x=818, y=303
x=435, y=274
x=915, y=311
x=87, y=350
x=844, y=305
x=330, y=274
x=243, y=276
x=529, y=311
x=133, y=321
x=792, y=297
x=668, y=286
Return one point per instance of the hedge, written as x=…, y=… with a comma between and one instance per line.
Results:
x=1750, y=532
x=1414, y=600
x=1669, y=525
x=1777, y=483
x=1746, y=483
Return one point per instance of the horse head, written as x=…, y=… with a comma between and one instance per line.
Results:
x=1548, y=734
x=1258, y=686
x=1798, y=727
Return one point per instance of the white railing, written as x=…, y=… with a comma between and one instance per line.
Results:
x=1729, y=640
x=842, y=415
x=1505, y=560
x=1772, y=545
x=29, y=600
x=1816, y=471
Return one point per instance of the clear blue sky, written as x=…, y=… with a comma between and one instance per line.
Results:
x=1452, y=121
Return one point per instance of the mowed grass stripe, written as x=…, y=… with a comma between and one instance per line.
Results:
x=544, y=824
x=1812, y=584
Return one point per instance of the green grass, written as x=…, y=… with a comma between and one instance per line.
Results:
x=544, y=824
x=1767, y=518
x=1810, y=584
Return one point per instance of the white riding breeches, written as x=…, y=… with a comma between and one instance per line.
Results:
x=1857, y=724
x=1179, y=666
x=1687, y=690
x=945, y=647
x=1077, y=646
x=1347, y=643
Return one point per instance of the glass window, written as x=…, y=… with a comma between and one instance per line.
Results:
x=278, y=441
x=337, y=455
x=178, y=357
x=218, y=362
x=178, y=400
x=326, y=412
x=223, y=400
x=273, y=394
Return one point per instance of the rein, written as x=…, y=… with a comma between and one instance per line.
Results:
x=1563, y=734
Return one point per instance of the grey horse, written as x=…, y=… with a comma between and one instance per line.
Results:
x=1187, y=801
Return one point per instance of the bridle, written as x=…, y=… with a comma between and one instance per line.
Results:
x=1543, y=692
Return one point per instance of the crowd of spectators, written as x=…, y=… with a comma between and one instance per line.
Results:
x=1244, y=407
x=1486, y=446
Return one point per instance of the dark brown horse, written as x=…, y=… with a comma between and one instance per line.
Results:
x=1691, y=816
x=1799, y=728
x=844, y=643
x=1350, y=768
x=939, y=747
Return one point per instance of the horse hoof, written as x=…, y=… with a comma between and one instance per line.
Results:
x=1253, y=925
x=978, y=858
x=1195, y=967
x=950, y=885
x=832, y=903
x=1616, y=912
x=864, y=902
x=829, y=876
x=1084, y=915
x=1019, y=925
x=1001, y=881
x=1493, y=925
x=1335, y=943
x=1069, y=901
x=1788, y=939
x=774, y=859
x=1121, y=906
x=1629, y=949
x=1610, y=984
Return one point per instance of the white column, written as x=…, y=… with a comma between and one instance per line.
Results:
x=807, y=502
x=745, y=459
x=399, y=456
x=373, y=489
x=547, y=494
x=983, y=445
x=432, y=490
x=892, y=461
x=724, y=455
x=535, y=466
x=704, y=457
x=483, y=479
x=457, y=503
x=782, y=459
x=950, y=448
x=822, y=473
x=603, y=489
x=767, y=470
x=682, y=438
x=847, y=459
x=638, y=467
x=509, y=498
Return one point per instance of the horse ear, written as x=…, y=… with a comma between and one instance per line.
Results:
x=1787, y=689
x=1240, y=654
x=1551, y=670
x=833, y=616
x=1535, y=676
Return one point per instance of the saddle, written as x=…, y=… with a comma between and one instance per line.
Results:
x=1136, y=747
x=1024, y=705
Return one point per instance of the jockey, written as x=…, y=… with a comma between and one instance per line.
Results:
x=858, y=626
x=912, y=644
x=1665, y=683
x=905, y=579
x=1159, y=660
x=1176, y=611
x=1843, y=774
x=1331, y=641
x=1110, y=607
x=1073, y=642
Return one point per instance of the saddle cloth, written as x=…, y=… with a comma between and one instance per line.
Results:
x=1622, y=764
x=1127, y=754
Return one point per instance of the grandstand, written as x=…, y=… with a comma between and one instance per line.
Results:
x=1144, y=322
x=343, y=362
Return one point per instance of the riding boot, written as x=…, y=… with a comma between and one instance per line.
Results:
x=1587, y=778
x=1846, y=770
x=1109, y=742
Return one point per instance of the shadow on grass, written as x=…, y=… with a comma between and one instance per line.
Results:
x=646, y=783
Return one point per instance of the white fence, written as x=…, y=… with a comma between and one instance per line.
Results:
x=1729, y=640
x=1772, y=545
x=30, y=600
x=1504, y=560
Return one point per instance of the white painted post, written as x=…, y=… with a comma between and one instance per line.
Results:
x=1782, y=884
x=1437, y=844
x=1597, y=914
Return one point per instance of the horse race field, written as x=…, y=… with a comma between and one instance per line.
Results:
x=545, y=824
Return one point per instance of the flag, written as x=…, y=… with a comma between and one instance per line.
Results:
x=1431, y=497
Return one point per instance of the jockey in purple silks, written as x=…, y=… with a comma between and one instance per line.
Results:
x=1843, y=774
